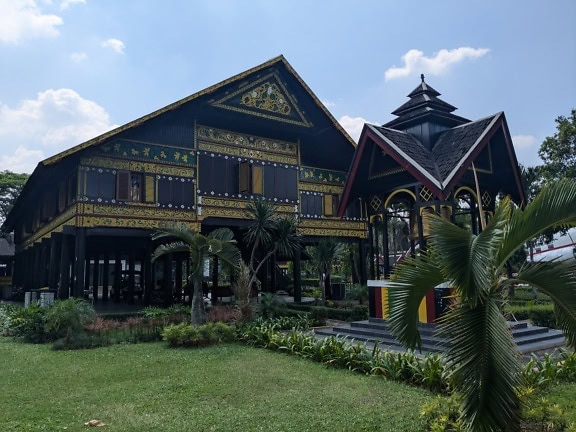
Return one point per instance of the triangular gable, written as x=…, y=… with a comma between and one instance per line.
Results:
x=277, y=60
x=267, y=97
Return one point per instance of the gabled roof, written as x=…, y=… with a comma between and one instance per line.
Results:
x=443, y=166
x=212, y=89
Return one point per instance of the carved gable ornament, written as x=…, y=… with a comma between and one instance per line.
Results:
x=267, y=97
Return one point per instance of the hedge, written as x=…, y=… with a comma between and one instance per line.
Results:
x=357, y=313
x=540, y=315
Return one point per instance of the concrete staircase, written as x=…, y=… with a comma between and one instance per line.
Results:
x=528, y=338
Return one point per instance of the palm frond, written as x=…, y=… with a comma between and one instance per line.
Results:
x=411, y=281
x=554, y=206
x=169, y=248
x=261, y=229
x=558, y=281
x=485, y=364
x=222, y=234
x=178, y=230
x=287, y=239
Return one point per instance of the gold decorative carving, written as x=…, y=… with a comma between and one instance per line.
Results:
x=138, y=166
x=267, y=97
x=332, y=224
x=239, y=204
x=322, y=232
x=92, y=221
x=325, y=188
x=247, y=153
x=246, y=141
x=137, y=211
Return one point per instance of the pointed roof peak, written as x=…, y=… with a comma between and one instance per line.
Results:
x=423, y=98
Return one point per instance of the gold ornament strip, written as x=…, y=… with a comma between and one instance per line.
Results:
x=324, y=188
x=137, y=166
x=321, y=232
x=119, y=222
x=55, y=225
x=247, y=153
x=332, y=224
x=246, y=141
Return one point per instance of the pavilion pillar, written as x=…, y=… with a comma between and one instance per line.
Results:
x=371, y=249
x=105, y=277
x=178, y=276
x=37, y=276
x=215, y=263
x=376, y=258
x=117, y=276
x=55, y=256
x=131, y=276
x=79, y=262
x=297, y=276
x=64, y=283
x=385, y=247
x=362, y=261
x=95, y=277
x=167, y=280
x=148, y=274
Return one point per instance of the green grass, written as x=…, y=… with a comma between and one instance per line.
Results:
x=148, y=387
x=565, y=396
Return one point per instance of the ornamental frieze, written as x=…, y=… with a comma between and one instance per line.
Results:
x=324, y=188
x=322, y=232
x=245, y=141
x=93, y=221
x=319, y=175
x=137, y=166
x=247, y=153
x=149, y=152
x=239, y=204
x=332, y=223
x=136, y=211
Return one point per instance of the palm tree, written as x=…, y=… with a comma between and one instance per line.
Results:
x=268, y=232
x=482, y=353
x=324, y=255
x=219, y=242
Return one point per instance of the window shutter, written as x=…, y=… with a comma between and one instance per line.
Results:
x=150, y=189
x=123, y=186
x=335, y=204
x=244, y=181
x=328, y=211
x=257, y=180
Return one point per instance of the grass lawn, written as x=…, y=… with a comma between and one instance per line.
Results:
x=565, y=396
x=148, y=387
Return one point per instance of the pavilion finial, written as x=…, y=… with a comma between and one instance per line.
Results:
x=422, y=77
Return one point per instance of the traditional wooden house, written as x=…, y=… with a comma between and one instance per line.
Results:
x=84, y=220
x=426, y=161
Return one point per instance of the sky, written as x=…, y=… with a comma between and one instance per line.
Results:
x=73, y=69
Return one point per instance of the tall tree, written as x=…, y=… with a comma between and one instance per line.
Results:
x=481, y=352
x=268, y=234
x=324, y=256
x=559, y=150
x=219, y=242
x=11, y=185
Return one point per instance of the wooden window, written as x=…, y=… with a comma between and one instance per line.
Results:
x=280, y=183
x=219, y=174
x=354, y=209
x=244, y=177
x=123, y=186
x=175, y=192
x=311, y=204
x=257, y=180
x=150, y=189
x=99, y=184
x=331, y=202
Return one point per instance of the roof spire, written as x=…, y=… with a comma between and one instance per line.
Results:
x=422, y=77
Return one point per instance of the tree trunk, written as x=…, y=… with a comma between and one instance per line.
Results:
x=322, y=287
x=198, y=313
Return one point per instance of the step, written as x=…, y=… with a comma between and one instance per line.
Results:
x=371, y=332
x=550, y=335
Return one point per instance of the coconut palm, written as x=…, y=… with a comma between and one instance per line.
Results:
x=219, y=242
x=482, y=354
x=268, y=234
x=324, y=255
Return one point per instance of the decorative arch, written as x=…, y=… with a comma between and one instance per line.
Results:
x=467, y=189
x=393, y=194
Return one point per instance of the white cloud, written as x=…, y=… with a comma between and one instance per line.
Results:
x=54, y=121
x=524, y=141
x=353, y=125
x=78, y=57
x=65, y=4
x=116, y=44
x=23, y=19
x=415, y=61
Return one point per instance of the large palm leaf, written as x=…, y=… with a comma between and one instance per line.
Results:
x=482, y=354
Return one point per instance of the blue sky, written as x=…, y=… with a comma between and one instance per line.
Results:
x=72, y=69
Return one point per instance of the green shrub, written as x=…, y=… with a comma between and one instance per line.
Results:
x=357, y=292
x=318, y=316
x=442, y=414
x=187, y=335
x=29, y=323
x=6, y=312
x=271, y=306
x=64, y=316
x=79, y=340
x=359, y=313
x=539, y=315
